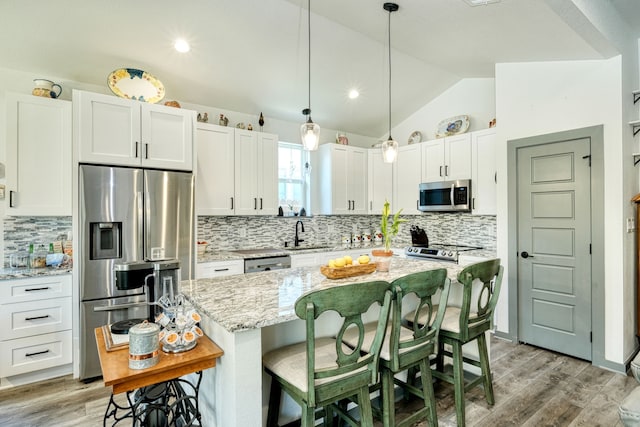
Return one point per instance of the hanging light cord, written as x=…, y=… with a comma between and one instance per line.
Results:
x=309, y=54
x=389, y=34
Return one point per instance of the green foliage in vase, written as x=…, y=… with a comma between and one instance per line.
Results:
x=389, y=229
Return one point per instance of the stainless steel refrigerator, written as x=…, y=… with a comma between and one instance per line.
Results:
x=127, y=215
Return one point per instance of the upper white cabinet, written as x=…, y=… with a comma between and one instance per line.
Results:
x=484, y=175
x=256, y=173
x=380, y=181
x=214, y=170
x=237, y=171
x=447, y=159
x=407, y=172
x=39, y=156
x=341, y=186
x=118, y=131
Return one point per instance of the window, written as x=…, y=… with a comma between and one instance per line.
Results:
x=293, y=178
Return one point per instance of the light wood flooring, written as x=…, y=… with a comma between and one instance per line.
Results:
x=533, y=387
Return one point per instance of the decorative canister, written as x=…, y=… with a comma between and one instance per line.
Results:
x=143, y=345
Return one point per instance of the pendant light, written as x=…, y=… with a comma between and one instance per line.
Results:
x=309, y=131
x=390, y=147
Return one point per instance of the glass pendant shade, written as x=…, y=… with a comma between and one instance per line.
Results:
x=310, y=134
x=389, y=150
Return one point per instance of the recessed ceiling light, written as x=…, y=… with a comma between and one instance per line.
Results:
x=181, y=45
x=353, y=94
x=480, y=2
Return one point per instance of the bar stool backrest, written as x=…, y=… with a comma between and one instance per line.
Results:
x=476, y=316
x=350, y=302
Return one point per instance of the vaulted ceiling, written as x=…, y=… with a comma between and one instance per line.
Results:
x=251, y=55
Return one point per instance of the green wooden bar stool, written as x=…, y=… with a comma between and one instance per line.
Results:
x=467, y=323
x=407, y=348
x=322, y=371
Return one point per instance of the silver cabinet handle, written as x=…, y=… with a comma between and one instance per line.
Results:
x=452, y=201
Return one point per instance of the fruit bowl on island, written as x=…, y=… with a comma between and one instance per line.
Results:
x=340, y=268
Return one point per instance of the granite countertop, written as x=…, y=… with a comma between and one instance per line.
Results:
x=255, y=300
x=23, y=273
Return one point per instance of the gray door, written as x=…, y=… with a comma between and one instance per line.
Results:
x=554, y=264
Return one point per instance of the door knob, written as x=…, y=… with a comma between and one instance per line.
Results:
x=525, y=254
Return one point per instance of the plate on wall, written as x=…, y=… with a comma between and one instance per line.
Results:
x=131, y=83
x=453, y=126
x=415, y=137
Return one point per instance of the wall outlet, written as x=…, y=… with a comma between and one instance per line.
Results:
x=631, y=225
x=242, y=232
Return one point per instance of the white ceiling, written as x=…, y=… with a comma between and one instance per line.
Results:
x=251, y=55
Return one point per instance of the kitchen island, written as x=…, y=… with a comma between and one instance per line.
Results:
x=250, y=314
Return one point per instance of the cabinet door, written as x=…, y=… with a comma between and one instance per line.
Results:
x=458, y=157
x=246, y=170
x=357, y=180
x=215, y=170
x=108, y=129
x=207, y=270
x=167, y=137
x=268, y=174
x=433, y=167
x=407, y=172
x=380, y=181
x=339, y=180
x=483, y=172
x=39, y=156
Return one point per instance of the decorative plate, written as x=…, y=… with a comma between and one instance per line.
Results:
x=453, y=126
x=131, y=83
x=415, y=137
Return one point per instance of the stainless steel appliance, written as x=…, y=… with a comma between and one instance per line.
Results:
x=440, y=251
x=127, y=215
x=252, y=265
x=445, y=196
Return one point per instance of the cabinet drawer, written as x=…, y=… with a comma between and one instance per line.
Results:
x=218, y=269
x=34, y=318
x=34, y=353
x=32, y=289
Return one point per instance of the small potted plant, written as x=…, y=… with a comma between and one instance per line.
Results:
x=389, y=228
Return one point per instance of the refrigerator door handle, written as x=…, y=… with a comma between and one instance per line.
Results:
x=120, y=306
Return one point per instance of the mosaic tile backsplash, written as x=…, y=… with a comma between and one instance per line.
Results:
x=233, y=232
x=19, y=232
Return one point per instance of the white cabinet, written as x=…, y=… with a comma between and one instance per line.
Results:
x=208, y=270
x=39, y=156
x=447, y=159
x=380, y=181
x=118, y=131
x=407, y=172
x=306, y=260
x=214, y=170
x=341, y=185
x=484, y=176
x=256, y=173
x=37, y=316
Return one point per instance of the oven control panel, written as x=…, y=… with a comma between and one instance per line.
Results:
x=444, y=254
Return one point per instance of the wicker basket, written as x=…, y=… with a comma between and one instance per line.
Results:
x=347, y=271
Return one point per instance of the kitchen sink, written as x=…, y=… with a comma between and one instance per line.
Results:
x=300, y=248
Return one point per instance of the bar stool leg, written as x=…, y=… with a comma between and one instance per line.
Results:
x=275, y=395
x=458, y=382
x=486, y=369
x=427, y=383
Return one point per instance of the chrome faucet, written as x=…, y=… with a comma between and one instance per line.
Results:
x=297, y=240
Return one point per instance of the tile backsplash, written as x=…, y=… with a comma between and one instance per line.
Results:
x=234, y=232
x=19, y=232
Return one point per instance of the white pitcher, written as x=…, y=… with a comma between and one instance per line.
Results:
x=46, y=88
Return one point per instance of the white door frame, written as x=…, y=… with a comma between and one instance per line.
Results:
x=596, y=134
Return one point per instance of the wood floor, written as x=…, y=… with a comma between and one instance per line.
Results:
x=533, y=387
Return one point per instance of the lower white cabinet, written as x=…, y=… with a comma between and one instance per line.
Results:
x=36, y=313
x=305, y=260
x=208, y=270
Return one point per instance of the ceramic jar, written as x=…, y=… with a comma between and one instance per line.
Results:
x=143, y=345
x=46, y=88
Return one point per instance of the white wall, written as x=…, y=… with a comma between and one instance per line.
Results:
x=474, y=97
x=539, y=98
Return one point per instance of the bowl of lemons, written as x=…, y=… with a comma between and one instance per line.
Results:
x=346, y=266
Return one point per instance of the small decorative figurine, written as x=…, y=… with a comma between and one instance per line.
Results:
x=261, y=121
x=240, y=125
x=223, y=121
x=203, y=118
x=249, y=127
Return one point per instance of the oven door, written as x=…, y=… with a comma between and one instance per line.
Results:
x=445, y=196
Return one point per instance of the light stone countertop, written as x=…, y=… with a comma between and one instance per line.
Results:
x=250, y=301
x=23, y=273
x=227, y=255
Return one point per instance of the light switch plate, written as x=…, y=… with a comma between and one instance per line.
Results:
x=631, y=225
x=1, y=192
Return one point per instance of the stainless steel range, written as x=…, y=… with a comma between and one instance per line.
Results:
x=441, y=251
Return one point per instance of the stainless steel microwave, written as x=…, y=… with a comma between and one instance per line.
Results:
x=445, y=196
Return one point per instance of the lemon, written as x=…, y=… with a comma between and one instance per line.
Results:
x=363, y=259
x=339, y=262
x=332, y=263
x=348, y=260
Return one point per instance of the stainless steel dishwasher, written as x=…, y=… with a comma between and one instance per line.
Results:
x=268, y=263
